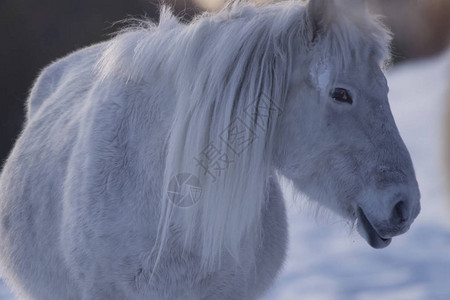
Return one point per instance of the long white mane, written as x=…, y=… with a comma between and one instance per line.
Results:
x=231, y=72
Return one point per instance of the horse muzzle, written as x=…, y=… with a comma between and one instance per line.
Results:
x=394, y=216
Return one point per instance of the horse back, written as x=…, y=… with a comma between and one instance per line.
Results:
x=59, y=74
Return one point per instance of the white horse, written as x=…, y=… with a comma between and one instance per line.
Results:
x=147, y=165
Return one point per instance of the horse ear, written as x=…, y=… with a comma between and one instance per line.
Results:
x=320, y=13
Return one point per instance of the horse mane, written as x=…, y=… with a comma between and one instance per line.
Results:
x=231, y=72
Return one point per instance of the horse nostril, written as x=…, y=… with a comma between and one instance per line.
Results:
x=399, y=213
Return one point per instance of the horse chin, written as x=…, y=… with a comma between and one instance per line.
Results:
x=368, y=232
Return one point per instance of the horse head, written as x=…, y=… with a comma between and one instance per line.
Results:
x=337, y=139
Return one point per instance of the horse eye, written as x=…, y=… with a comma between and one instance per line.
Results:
x=341, y=95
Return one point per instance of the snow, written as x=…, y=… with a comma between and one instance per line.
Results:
x=327, y=260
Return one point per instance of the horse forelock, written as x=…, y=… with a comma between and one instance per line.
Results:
x=355, y=35
x=231, y=73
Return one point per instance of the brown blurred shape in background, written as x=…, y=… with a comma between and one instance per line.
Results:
x=421, y=27
x=34, y=33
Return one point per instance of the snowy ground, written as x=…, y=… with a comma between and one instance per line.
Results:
x=328, y=261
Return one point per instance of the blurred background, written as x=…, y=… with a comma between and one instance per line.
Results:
x=334, y=263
